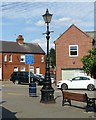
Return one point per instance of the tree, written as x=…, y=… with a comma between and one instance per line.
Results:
x=52, y=57
x=89, y=62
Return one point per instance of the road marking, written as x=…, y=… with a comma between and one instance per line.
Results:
x=15, y=94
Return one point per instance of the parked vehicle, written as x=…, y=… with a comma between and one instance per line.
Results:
x=39, y=78
x=39, y=75
x=79, y=82
x=23, y=77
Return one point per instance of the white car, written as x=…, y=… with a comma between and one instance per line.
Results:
x=79, y=82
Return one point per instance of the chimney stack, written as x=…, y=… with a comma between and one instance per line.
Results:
x=20, y=39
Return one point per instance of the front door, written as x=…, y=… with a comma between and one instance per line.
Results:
x=37, y=70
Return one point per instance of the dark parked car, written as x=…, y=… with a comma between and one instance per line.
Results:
x=40, y=79
x=23, y=77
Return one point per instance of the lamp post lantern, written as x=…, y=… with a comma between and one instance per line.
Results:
x=47, y=92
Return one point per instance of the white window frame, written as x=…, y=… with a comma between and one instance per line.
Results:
x=31, y=69
x=15, y=69
x=37, y=70
x=10, y=58
x=22, y=58
x=42, y=58
x=22, y=68
x=5, y=57
x=73, y=50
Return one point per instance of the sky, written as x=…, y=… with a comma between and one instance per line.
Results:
x=25, y=18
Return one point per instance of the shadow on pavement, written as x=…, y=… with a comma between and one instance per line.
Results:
x=6, y=114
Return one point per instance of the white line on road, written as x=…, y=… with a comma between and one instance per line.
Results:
x=15, y=94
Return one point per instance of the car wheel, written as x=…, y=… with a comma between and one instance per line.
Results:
x=91, y=87
x=64, y=86
x=16, y=82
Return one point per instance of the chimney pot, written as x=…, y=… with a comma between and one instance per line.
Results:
x=20, y=39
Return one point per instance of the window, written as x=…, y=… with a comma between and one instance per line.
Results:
x=5, y=58
x=22, y=68
x=42, y=58
x=73, y=50
x=22, y=58
x=10, y=58
x=32, y=69
x=15, y=69
x=37, y=70
x=85, y=78
x=76, y=78
x=80, y=78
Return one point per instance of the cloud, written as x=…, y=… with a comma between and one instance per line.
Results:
x=27, y=17
x=64, y=19
x=39, y=23
x=32, y=10
x=29, y=29
x=28, y=21
x=21, y=10
x=61, y=21
x=43, y=43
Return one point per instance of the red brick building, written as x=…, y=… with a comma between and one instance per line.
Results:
x=71, y=46
x=12, y=57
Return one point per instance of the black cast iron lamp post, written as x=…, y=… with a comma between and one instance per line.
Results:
x=47, y=92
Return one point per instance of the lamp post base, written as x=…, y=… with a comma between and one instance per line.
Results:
x=47, y=95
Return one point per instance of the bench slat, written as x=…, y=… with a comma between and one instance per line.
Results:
x=75, y=96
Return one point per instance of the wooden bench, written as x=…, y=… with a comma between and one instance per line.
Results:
x=68, y=96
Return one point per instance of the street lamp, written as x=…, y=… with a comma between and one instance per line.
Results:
x=47, y=92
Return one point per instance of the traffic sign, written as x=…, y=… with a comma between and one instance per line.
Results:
x=29, y=59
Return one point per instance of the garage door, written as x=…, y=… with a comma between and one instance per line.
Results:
x=68, y=74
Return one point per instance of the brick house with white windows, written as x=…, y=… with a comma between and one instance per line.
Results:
x=70, y=47
x=12, y=57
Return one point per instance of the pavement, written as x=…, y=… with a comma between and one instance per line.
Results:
x=16, y=103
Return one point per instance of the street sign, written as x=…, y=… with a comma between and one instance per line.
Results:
x=29, y=59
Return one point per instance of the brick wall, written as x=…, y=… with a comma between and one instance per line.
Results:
x=73, y=36
x=8, y=67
